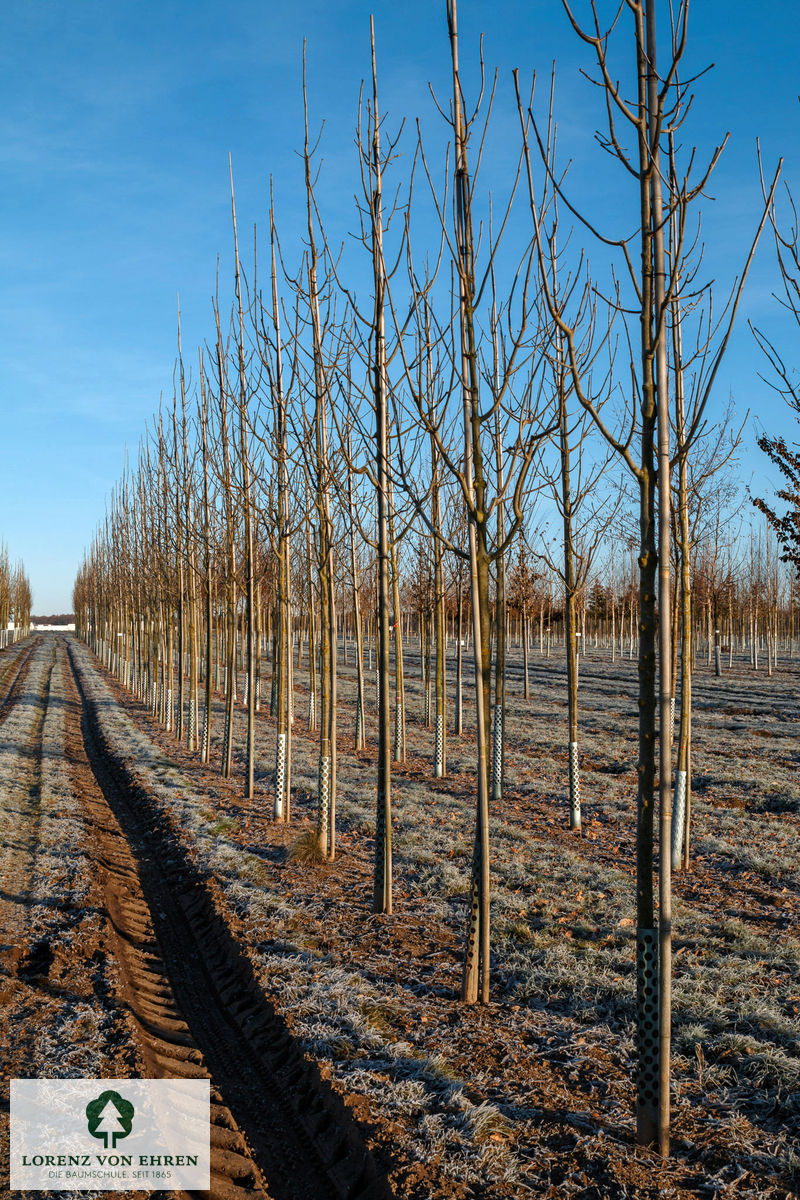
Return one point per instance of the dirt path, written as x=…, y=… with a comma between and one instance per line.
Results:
x=13, y=667
x=277, y=1127
x=58, y=1013
x=121, y=933
x=21, y=789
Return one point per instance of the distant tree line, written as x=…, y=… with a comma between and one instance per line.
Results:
x=15, y=599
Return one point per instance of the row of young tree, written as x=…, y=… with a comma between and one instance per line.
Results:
x=366, y=449
x=743, y=604
x=15, y=600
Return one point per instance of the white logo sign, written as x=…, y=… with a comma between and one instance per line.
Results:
x=110, y=1135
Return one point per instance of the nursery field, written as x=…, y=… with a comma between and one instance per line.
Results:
x=154, y=923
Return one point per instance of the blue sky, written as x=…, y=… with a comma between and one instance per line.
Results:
x=116, y=120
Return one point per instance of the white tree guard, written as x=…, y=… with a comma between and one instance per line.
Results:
x=497, y=752
x=359, y=723
x=574, y=786
x=439, y=758
x=678, y=819
x=398, y=731
x=324, y=799
x=280, y=778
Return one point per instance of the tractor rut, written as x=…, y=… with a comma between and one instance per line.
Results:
x=278, y=1129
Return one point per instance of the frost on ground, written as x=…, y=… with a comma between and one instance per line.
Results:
x=58, y=1019
x=534, y=1093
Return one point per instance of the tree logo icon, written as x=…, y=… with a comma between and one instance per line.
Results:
x=110, y=1117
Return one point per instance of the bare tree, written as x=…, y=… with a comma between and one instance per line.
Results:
x=659, y=105
x=470, y=466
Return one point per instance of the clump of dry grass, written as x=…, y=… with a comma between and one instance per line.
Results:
x=379, y=1015
x=306, y=849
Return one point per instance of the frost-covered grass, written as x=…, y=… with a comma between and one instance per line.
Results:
x=57, y=1017
x=563, y=916
x=20, y=799
x=46, y=868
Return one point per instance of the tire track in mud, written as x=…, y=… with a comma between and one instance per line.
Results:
x=16, y=671
x=278, y=1129
x=22, y=808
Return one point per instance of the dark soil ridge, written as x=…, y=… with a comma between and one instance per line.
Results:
x=201, y=1012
